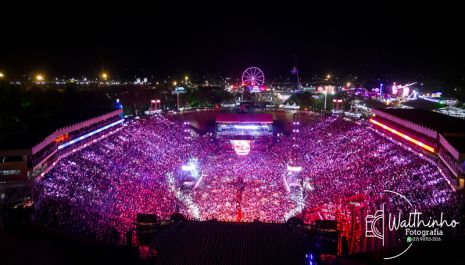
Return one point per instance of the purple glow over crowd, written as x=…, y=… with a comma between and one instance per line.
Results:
x=314, y=174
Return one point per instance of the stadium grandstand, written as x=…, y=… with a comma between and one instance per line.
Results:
x=42, y=148
x=437, y=135
x=242, y=191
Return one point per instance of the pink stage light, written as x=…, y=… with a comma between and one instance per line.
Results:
x=241, y=147
x=406, y=137
x=294, y=168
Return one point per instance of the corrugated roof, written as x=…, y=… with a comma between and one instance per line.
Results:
x=433, y=120
x=231, y=243
x=423, y=104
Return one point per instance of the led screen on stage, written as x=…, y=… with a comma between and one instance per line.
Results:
x=241, y=147
x=231, y=129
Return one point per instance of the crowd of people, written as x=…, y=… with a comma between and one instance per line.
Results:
x=347, y=163
x=98, y=191
x=256, y=179
x=118, y=177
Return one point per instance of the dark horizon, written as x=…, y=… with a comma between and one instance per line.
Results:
x=367, y=40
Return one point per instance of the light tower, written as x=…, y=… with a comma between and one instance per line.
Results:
x=295, y=71
x=155, y=105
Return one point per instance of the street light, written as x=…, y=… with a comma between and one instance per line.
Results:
x=2, y=75
x=326, y=92
x=328, y=76
x=175, y=83
x=348, y=84
x=104, y=76
x=39, y=77
x=186, y=78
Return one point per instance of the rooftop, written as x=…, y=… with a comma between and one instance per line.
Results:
x=423, y=104
x=433, y=120
x=37, y=129
x=231, y=243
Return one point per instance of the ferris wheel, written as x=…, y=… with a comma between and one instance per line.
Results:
x=253, y=76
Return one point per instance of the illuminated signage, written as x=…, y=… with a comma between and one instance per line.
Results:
x=62, y=138
x=406, y=137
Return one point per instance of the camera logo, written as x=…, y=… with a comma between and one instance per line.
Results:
x=374, y=225
x=413, y=226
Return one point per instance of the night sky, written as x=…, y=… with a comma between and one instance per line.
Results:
x=223, y=38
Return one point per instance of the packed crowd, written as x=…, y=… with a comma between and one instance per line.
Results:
x=119, y=176
x=257, y=176
x=98, y=190
x=341, y=159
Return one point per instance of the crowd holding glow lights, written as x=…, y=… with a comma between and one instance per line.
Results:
x=313, y=173
x=341, y=159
